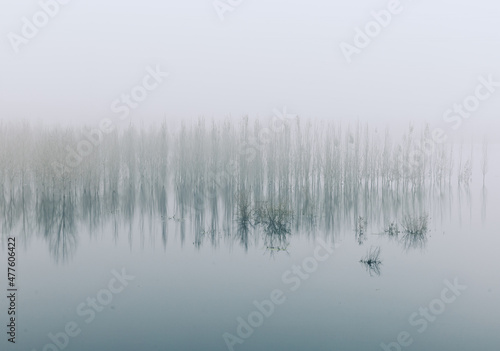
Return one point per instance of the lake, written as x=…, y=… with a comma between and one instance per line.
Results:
x=307, y=242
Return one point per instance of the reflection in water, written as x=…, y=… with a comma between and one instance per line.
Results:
x=55, y=214
x=484, y=201
x=360, y=230
x=415, y=231
x=209, y=184
x=275, y=242
x=60, y=216
x=372, y=261
x=392, y=230
x=413, y=241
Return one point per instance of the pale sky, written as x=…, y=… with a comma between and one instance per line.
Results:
x=266, y=54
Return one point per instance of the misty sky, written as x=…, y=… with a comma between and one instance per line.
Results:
x=266, y=54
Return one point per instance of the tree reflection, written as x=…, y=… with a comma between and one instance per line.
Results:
x=209, y=184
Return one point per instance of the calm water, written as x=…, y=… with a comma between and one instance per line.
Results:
x=197, y=271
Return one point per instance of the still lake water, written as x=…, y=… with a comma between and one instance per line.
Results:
x=195, y=273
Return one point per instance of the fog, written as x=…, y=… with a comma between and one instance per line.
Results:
x=263, y=55
x=256, y=174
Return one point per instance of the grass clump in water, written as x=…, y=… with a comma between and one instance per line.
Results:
x=372, y=257
x=415, y=231
x=416, y=225
x=274, y=219
x=392, y=230
x=244, y=214
x=372, y=261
